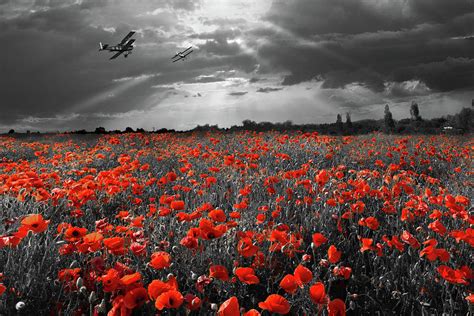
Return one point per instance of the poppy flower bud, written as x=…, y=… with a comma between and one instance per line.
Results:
x=214, y=306
x=174, y=248
x=194, y=276
x=102, y=307
x=324, y=263
x=169, y=276
x=419, y=229
x=83, y=290
x=306, y=257
x=20, y=305
x=79, y=282
x=352, y=305
x=73, y=264
x=92, y=297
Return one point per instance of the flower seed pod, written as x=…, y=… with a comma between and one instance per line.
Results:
x=102, y=307
x=194, y=276
x=92, y=298
x=79, y=282
x=20, y=305
x=214, y=306
x=83, y=290
x=352, y=305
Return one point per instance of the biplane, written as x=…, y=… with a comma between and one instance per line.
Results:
x=182, y=55
x=125, y=47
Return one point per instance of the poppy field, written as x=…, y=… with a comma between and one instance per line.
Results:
x=239, y=223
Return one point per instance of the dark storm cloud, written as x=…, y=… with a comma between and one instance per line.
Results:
x=268, y=89
x=370, y=42
x=52, y=65
x=238, y=93
x=315, y=17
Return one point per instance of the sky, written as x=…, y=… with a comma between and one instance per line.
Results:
x=266, y=60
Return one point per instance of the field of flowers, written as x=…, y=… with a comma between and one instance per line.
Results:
x=236, y=224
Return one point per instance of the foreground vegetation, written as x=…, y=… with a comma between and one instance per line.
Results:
x=236, y=223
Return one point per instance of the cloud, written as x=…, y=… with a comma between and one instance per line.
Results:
x=372, y=55
x=268, y=89
x=406, y=88
x=326, y=56
x=238, y=93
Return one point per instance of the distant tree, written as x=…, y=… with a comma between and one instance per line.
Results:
x=129, y=130
x=348, y=120
x=464, y=120
x=12, y=131
x=339, y=122
x=140, y=130
x=388, y=119
x=415, y=112
x=287, y=124
x=28, y=132
x=100, y=130
x=249, y=125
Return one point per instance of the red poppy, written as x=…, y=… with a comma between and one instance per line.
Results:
x=453, y=276
x=158, y=287
x=135, y=297
x=247, y=275
x=115, y=245
x=160, y=260
x=334, y=255
x=302, y=275
x=93, y=241
x=3, y=288
x=317, y=293
x=337, y=307
x=110, y=280
x=319, y=239
x=177, y=205
x=246, y=248
x=169, y=299
x=217, y=215
x=219, y=272
x=209, y=231
x=366, y=244
x=342, y=271
x=370, y=222
x=289, y=284
x=193, y=302
x=35, y=222
x=229, y=307
x=73, y=234
x=275, y=304
x=130, y=278
x=189, y=242
x=252, y=312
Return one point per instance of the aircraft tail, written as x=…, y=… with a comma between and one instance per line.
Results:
x=102, y=46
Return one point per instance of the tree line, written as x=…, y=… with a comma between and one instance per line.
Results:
x=459, y=123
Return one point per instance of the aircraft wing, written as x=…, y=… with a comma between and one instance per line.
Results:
x=188, y=53
x=177, y=59
x=129, y=43
x=117, y=55
x=126, y=38
x=186, y=49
